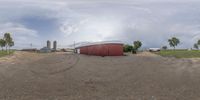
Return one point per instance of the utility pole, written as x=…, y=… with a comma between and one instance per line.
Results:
x=74, y=47
x=31, y=45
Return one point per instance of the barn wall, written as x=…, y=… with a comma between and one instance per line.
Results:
x=115, y=50
x=103, y=50
x=83, y=50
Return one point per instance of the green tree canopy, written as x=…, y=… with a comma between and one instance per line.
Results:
x=198, y=42
x=137, y=44
x=164, y=47
x=196, y=46
x=128, y=48
x=8, y=41
x=2, y=43
x=173, y=42
x=11, y=43
x=7, y=37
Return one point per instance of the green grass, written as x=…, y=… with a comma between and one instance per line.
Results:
x=4, y=53
x=180, y=53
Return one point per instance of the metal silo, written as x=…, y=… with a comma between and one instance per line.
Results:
x=54, y=45
x=48, y=44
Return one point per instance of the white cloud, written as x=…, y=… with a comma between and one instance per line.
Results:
x=17, y=29
x=20, y=33
x=152, y=21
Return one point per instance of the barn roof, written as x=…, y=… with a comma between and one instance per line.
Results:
x=99, y=43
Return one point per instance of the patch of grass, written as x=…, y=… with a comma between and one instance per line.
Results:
x=4, y=53
x=180, y=53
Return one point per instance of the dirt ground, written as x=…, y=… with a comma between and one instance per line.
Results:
x=64, y=76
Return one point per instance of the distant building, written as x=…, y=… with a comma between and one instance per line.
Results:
x=106, y=48
x=45, y=50
x=154, y=49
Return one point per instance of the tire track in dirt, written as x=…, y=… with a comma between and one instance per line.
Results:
x=51, y=66
x=75, y=61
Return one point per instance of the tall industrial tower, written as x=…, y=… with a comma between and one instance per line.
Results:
x=54, y=45
x=48, y=44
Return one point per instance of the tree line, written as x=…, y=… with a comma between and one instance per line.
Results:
x=173, y=42
x=6, y=42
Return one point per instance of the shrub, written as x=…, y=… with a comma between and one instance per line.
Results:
x=128, y=48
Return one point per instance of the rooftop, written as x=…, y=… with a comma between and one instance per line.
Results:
x=98, y=43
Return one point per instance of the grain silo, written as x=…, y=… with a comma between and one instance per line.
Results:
x=54, y=45
x=48, y=44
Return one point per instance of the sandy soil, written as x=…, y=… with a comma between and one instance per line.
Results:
x=61, y=76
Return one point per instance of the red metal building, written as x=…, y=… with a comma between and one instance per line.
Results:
x=101, y=49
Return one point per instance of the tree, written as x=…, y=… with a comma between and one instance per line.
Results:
x=173, y=42
x=137, y=45
x=128, y=48
x=196, y=46
x=164, y=47
x=8, y=41
x=2, y=43
x=10, y=44
x=198, y=42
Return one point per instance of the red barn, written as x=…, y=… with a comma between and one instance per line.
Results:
x=101, y=49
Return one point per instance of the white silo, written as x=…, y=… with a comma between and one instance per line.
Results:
x=49, y=44
x=55, y=45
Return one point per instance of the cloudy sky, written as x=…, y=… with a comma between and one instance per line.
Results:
x=151, y=21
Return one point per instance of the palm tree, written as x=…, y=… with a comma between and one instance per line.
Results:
x=198, y=42
x=196, y=46
x=173, y=42
x=2, y=43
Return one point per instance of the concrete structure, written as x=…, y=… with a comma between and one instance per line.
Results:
x=106, y=48
x=49, y=44
x=54, y=45
x=45, y=50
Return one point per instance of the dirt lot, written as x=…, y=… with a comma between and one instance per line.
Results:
x=62, y=76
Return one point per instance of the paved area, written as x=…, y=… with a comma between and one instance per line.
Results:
x=62, y=76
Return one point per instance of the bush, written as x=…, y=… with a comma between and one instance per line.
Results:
x=164, y=47
x=128, y=48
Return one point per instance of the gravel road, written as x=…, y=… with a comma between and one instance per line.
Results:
x=64, y=76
